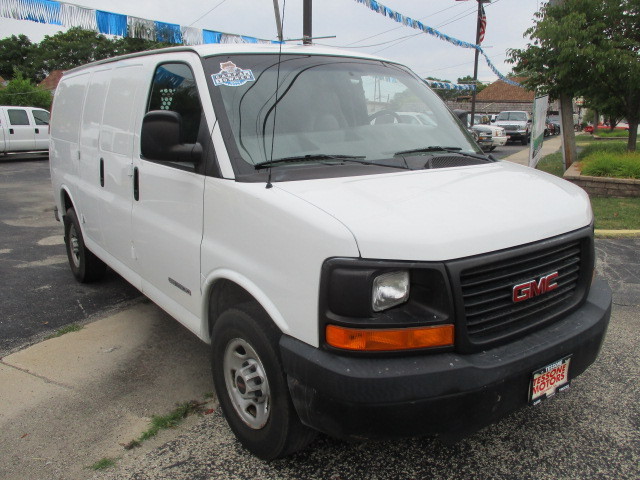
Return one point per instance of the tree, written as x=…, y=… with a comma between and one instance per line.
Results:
x=21, y=92
x=587, y=48
x=70, y=49
x=15, y=53
x=468, y=80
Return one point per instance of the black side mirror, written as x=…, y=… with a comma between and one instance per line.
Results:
x=161, y=138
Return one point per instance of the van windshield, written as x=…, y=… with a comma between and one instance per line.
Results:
x=325, y=106
x=516, y=116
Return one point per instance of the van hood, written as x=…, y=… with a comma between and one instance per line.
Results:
x=443, y=214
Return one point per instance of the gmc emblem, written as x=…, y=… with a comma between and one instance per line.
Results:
x=532, y=288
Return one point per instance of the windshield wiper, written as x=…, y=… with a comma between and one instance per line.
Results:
x=321, y=156
x=438, y=148
x=431, y=148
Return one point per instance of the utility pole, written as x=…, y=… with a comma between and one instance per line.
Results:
x=306, y=22
x=276, y=10
x=475, y=63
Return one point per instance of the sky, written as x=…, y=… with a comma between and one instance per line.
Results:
x=351, y=22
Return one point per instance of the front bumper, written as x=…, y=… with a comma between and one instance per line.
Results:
x=447, y=394
x=499, y=141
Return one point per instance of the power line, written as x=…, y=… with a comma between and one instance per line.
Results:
x=400, y=26
x=207, y=13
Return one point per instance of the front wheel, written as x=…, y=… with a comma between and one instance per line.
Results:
x=251, y=385
x=85, y=266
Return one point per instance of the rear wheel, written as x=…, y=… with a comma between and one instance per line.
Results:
x=86, y=267
x=251, y=385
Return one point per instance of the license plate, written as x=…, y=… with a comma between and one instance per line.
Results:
x=548, y=380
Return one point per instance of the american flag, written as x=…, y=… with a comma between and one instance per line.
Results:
x=483, y=24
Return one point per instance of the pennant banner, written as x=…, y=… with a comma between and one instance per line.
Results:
x=450, y=86
x=409, y=22
x=71, y=15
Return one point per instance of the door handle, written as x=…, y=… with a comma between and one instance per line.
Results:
x=11, y=131
x=102, y=172
x=37, y=130
x=136, y=184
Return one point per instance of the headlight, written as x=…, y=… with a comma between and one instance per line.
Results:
x=389, y=290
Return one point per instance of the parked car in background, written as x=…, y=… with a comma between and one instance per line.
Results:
x=23, y=129
x=517, y=125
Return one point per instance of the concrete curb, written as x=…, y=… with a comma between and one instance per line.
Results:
x=617, y=233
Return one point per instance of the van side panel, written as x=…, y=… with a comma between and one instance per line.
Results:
x=116, y=146
x=64, y=148
x=90, y=191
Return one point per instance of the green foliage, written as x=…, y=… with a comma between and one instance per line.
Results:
x=63, y=51
x=616, y=213
x=608, y=164
x=103, y=464
x=613, y=133
x=21, y=92
x=553, y=164
x=587, y=48
x=73, y=327
x=601, y=147
x=14, y=54
x=170, y=420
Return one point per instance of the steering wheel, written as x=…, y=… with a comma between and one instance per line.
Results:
x=382, y=113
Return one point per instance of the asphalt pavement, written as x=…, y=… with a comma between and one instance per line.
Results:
x=39, y=293
x=67, y=402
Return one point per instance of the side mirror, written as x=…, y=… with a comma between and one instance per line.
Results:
x=161, y=138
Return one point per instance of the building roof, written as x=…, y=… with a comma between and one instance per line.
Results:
x=500, y=91
x=52, y=80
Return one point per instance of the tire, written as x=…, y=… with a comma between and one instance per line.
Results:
x=255, y=400
x=85, y=266
x=524, y=140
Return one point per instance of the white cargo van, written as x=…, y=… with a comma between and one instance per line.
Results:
x=354, y=273
x=23, y=129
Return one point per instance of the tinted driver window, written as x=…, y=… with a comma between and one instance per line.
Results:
x=174, y=89
x=18, y=117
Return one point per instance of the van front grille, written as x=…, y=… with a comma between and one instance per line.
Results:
x=488, y=291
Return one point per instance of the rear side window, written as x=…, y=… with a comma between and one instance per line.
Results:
x=41, y=117
x=18, y=117
x=174, y=88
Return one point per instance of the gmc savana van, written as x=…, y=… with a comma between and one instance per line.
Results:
x=355, y=273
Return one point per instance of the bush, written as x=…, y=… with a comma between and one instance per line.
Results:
x=612, y=164
x=613, y=133
x=597, y=147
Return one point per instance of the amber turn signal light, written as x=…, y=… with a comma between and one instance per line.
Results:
x=370, y=340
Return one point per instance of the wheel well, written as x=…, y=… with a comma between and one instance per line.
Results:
x=66, y=202
x=225, y=294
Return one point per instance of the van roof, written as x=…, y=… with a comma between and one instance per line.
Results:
x=233, y=48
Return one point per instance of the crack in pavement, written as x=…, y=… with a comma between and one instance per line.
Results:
x=41, y=377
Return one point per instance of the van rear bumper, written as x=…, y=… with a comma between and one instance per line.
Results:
x=445, y=394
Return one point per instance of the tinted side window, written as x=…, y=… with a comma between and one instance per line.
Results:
x=41, y=117
x=18, y=117
x=174, y=88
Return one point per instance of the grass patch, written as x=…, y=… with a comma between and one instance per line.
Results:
x=616, y=213
x=613, y=133
x=553, y=164
x=602, y=147
x=72, y=327
x=170, y=420
x=612, y=164
x=103, y=464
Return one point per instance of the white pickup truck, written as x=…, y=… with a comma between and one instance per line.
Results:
x=23, y=129
x=354, y=273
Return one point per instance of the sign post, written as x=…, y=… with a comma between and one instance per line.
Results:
x=539, y=115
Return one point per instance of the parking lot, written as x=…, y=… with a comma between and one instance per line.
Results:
x=137, y=362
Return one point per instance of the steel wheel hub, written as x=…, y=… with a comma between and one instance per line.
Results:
x=246, y=383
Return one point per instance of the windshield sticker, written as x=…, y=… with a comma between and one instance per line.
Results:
x=231, y=76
